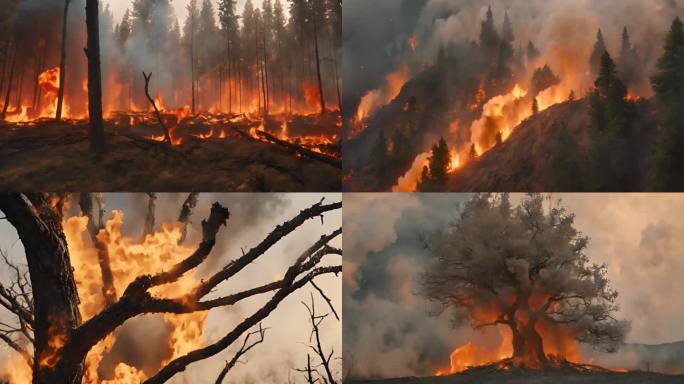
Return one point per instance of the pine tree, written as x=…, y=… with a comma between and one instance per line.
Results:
x=472, y=154
x=628, y=64
x=611, y=114
x=507, y=30
x=596, y=54
x=379, y=156
x=532, y=52
x=535, y=106
x=668, y=84
x=439, y=162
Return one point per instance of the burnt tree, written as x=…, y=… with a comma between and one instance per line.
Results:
x=97, y=140
x=62, y=62
x=62, y=340
x=524, y=269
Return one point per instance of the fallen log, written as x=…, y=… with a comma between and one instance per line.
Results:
x=301, y=150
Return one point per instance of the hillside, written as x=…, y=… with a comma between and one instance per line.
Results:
x=524, y=161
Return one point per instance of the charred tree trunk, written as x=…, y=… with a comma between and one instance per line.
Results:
x=20, y=87
x=9, y=83
x=55, y=297
x=267, y=93
x=333, y=53
x=97, y=141
x=318, y=61
x=62, y=62
x=5, y=59
x=528, y=347
x=192, y=61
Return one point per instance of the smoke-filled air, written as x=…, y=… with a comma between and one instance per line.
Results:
x=128, y=288
x=513, y=95
x=171, y=85
x=462, y=288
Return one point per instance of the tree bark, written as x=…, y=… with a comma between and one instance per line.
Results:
x=528, y=347
x=62, y=62
x=318, y=61
x=192, y=59
x=9, y=83
x=55, y=297
x=97, y=140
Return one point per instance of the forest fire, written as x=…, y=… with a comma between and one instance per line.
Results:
x=379, y=97
x=201, y=79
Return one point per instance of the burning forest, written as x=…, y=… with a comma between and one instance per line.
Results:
x=460, y=288
x=172, y=288
x=526, y=96
x=196, y=95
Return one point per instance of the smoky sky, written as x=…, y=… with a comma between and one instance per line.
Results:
x=253, y=217
x=375, y=32
x=391, y=331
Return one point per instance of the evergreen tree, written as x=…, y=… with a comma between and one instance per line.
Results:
x=565, y=166
x=490, y=43
x=610, y=113
x=401, y=147
x=597, y=54
x=434, y=176
x=499, y=138
x=532, y=52
x=123, y=31
x=668, y=84
x=535, y=106
x=473, y=152
x=507, y=30
x=379, y=156
x=628, y=64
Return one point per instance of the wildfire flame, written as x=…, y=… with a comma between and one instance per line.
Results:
x=411, y=42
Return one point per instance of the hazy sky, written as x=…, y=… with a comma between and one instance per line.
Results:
x=638, y=236
x=118, y=7
x=253, y=216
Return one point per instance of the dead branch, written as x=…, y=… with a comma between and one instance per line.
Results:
x=243, y=350
x=149, y=218
x=301, y=150
x=167, y=136
x=327, y=300
x=316, y=321
x=186, y=210
x=137, y=300
x=85, y=202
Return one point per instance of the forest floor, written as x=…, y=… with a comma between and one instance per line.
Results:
x=485, y=375
x=212, y=153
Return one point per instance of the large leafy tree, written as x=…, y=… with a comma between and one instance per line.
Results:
x=523, y=268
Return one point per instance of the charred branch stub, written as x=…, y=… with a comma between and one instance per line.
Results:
x=167, y=136
x=185, y=212
x=85, y=202
x=150, y=218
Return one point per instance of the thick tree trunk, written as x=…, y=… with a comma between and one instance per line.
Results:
x=9, y=83
x=318, y=61
x=62, y=62
x=528, y=347
x=97, y=141
x=55, y=297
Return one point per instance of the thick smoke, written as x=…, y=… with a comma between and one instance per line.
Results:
x=564, y=31
x=390, y=331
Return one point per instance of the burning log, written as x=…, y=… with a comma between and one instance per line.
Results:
x=167, y=136
x=301, y=150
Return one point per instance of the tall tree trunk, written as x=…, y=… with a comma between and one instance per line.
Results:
x=318, y=61
x=97, y=140
x=257, y=61
x=192, y=61
x=10, y=81
x=230, y=80
x=62, y=63
x=337, y=77
x=5, y=59
x=40, y=55
x=55, y=297
x=267, y=95
x=528, y=347
x=20, y=86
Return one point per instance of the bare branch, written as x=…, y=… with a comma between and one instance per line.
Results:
x=243, y=350
x=167, y=136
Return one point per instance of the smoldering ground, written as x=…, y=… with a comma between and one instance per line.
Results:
x=142, y=341
x=391, y=331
